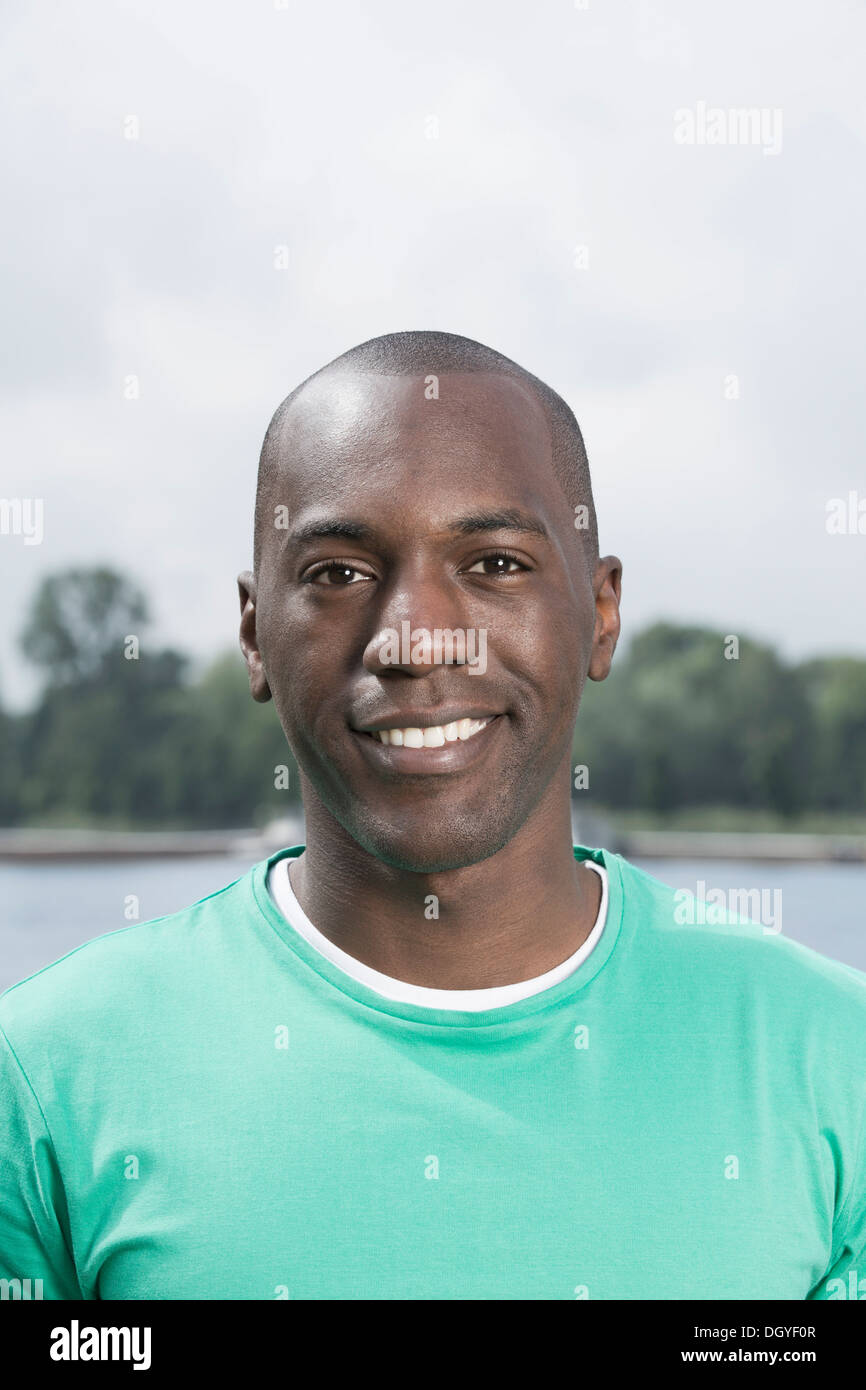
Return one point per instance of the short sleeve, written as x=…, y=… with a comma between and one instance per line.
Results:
x=846, y=1276
x=34, y=1231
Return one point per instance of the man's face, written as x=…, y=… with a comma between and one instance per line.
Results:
x=373, y=452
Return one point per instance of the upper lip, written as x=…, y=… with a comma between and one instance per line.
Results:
x=425, y=719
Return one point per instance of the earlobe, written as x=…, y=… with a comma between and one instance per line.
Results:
x=602, y=656
x=259, y=688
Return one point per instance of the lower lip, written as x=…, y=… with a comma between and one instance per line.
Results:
x=451, y=757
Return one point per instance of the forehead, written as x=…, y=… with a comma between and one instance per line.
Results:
x=359, y=434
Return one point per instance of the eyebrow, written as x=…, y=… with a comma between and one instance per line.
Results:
x=507, y=519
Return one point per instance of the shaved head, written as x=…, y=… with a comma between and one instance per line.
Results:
x=424, y=354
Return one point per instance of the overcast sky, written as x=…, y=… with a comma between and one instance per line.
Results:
x=440, y=166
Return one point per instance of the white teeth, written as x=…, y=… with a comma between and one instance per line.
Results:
x=434, y=737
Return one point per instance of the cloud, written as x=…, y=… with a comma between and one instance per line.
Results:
x=436, y=168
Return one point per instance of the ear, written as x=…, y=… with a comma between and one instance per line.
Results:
x=607, y=585
x=259, y=688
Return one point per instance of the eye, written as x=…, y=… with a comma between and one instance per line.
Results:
x=498, y=559
x=339, y=574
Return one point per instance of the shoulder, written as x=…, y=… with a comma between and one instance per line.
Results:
x=734, y=938
x=120, y=974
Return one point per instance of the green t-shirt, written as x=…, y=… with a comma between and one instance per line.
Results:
x=204, y=1107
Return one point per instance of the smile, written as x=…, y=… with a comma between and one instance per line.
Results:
x=436, y=736
x=439, y=749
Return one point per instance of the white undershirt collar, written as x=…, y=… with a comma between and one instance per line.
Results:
x=465, y=1000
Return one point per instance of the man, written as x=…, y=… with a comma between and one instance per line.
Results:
x=437, y=1052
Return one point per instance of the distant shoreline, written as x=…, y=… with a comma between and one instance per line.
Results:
x=41, y=846
x=778, y=848
x=57, y=846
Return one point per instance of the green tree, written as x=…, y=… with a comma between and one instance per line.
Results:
x=678, y=724
x=836, y=692
x=249, y=745
x=79, y=621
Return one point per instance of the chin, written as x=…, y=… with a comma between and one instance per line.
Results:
x=431, y=848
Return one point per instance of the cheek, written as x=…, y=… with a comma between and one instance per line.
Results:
x=295, y=662
x=302, y=644
x=553, y=643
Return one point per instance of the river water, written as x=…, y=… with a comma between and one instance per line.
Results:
x=50, y=909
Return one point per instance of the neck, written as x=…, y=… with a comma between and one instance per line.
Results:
x=510, y=917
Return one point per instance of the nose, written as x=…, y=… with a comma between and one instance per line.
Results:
x=419, y=624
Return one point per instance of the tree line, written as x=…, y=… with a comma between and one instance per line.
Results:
x=127, y=734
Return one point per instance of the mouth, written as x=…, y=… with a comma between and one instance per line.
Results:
x=433, y=736
x=433, y=748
